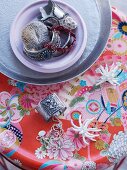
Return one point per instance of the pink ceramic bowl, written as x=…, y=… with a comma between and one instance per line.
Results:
x=63, y=62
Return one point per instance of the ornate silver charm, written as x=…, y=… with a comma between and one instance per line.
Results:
x=40, y=55
x=52, y=10
x=50, y=107
x=68, y=22
x=43, y=53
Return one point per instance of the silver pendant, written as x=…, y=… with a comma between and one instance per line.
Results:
x=52, y=10
x=50, y=107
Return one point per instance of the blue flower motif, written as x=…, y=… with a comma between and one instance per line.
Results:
x=123, y=27
x=118, y=35
x=76, y=116
x=83, y=83
x=21, y=86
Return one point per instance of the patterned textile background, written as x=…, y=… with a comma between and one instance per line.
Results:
x=20, y=123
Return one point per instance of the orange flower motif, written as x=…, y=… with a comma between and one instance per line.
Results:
x=117, y=122
x=100, y=144
x=125, y=103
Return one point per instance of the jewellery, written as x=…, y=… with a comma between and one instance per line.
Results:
x=69, y=43
x=118, y=148
x=84, y=130
x=50, y=37
x=44, y=53
x=52, y=10
x=50, y=107
x=109, y=74
x=68, y=23
x=54, y=144
x=40, y=55
x=53, y=48
x=35, y=35
x=56, y=132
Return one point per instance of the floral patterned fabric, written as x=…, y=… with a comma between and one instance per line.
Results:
x=31, y=142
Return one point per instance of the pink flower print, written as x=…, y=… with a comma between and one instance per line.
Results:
x=15, y=91
x=75, y=164
x=4, y=96
x=109, y=45
x=7, y=139
x=105, y=137
x=8, y=108
x=83, y=91
x=6, y=105
x=119, y=47
x=124, y=120
x=38, y=93
x=25, y=102
x=102, y=166
x=61, y=167
x=75, y=138
x=60, y=149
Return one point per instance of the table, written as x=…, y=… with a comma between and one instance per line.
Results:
x=19, y=130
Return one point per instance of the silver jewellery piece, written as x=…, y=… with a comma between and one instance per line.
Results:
x=117, y=149
x=35, y=35
x=44, y=53
x=52, y=10
x=108, y=74
x=84, y=130
x=50, y=107
x=68, y=22
x=40, y=55
x=66, y=43
x=56, y=40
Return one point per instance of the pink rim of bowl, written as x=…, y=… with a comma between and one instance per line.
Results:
x=63, y=62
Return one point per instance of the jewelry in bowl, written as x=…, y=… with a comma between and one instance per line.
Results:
x=50, y=39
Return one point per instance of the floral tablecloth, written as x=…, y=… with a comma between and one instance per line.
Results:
x=20, y=123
